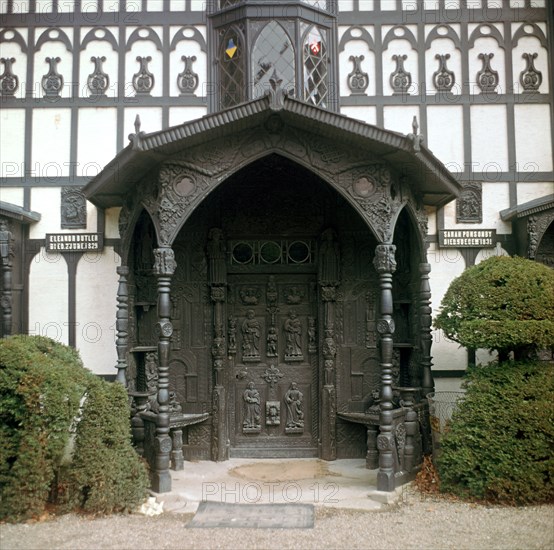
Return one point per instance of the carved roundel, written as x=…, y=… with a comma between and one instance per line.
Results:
x=383, y=443
x=165, y=444
x=184, y=186
x=384, y=326
x=364, y=187
x=165, y=329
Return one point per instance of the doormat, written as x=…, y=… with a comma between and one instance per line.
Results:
x=253, y=516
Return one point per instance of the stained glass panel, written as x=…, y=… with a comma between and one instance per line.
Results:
x=231, y=58
x=272, y=55
x=316, y=88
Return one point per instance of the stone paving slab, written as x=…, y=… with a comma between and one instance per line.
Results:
x=254, y=516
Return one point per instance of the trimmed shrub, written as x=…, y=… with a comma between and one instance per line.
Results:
x=42, y=384
x=504, y=304
x=500, y=446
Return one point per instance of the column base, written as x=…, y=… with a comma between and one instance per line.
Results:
x=160, y=482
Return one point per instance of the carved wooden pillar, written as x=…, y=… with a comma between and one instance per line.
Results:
x=122, y=324
x=329, y=394
x=218, y=281
x=164, y=267
x=385, y=265
x=427, y=382
x=329, y=279
x=6, y=255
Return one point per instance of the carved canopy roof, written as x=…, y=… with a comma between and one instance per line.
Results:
x=405, y=154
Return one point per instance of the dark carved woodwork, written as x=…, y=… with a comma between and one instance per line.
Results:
x=357, y=80
x=187, y=81
x=9, y=82
x=122, y=324
x=530, y=77
x=294, y=404
x=73, y=209
x=425, y=321
x=7, y=254
x=400, y=79
x=98, y=81
x=385, y=265
x=487, y=78
x=52, y=82
x=143, y=80
x=164, y=267
x=469, y=206
x=443, y=78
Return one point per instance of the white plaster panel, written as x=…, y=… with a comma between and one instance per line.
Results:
x=388, y=5
x=494, y=4
x=489, y=138
x=452, y=4
x=90, y=7
x=92, y=219
x=345, y=5
x=96, y=144
x=177, y=65
x=44, y=6
x=496, y=197
x=366, y=5
x=133, y=7
x=150, y=118
x=19, y=66
x=533, y=138
x=400, y=119
x=400, y=47
x=180, y=115
x=430, y=4
x=446, y=264
x=12, y=143
x=98, y=48
x=112, y=222
x=197, y=5
x=144, y=48
x=51, y=144
x=431, y=220
x=530, y=45
x=448, y=384
x=66, y=6
x=96, y=306
x=46, y=201
x=177, y=5
x=13, y=195
x=445, y=135
x=48, y=301
x=443, y=46
x=53, y=48
x=487, y=45
x=527, y=191
x=155, y=5
x=365, y=114
x=356, y=48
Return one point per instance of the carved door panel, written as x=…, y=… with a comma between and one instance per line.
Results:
x=272, y=345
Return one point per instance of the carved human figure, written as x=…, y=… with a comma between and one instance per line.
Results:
x=312, y=344
x=329, y=258
x=6, y=239
x=216, y=254
x=294, y=403
x=272, y=342
x=232, y=331
x=251, y=335
x=251, y=398
x=293, y=329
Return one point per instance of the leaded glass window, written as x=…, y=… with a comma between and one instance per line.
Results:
x=316, y=85
x=231, y=57
x=272, y=54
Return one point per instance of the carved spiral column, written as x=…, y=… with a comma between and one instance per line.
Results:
x=218, y=280
x=385, y=265
x=122, y=324
x=6, y=254
x=427, y=382
x=329, y=394
x=164, y=267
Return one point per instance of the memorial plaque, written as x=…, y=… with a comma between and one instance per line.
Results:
x=467, y=238
x=74, y=242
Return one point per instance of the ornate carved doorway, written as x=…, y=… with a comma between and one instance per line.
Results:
x=273, y=353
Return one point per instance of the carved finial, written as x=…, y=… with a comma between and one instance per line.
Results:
x=136, y=138
x=416, y=138
x=277, y=93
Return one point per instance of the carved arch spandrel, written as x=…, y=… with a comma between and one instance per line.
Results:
x=368, y=184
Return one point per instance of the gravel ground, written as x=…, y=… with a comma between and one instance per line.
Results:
x=416, y=522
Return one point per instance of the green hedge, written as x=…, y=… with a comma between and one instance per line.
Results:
x=500, y=446
x=42, y=384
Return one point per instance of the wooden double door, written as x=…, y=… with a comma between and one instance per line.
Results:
x=273, y=355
